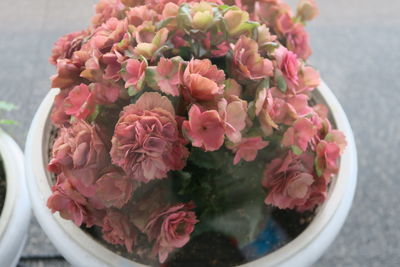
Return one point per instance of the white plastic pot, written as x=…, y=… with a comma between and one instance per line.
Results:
x=80, y=249
x=16, y=213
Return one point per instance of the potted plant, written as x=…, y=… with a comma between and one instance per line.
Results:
x=190, y=133
x=15, y=210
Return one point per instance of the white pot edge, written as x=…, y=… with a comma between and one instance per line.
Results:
x=81, y=250
x=16, y=214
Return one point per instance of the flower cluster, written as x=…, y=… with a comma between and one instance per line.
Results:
x=149, y=82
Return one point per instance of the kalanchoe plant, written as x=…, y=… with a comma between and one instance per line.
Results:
x=175, y=117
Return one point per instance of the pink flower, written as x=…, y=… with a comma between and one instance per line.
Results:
x=216, y=44
x=58, y=114
x=202, y=80
x=328, y=154
x=249, y=62
x=300, y=134
x=297, y=41
x=107, y=9
x=178, y=39
x=117, y=229
x=138, y=15
x=79, y=148
x=80, y=102
x=269, y=110
x=296, y=36
x=205, y=129
x=105, y=94
x=289, y=181
x=247, y=149
x=135, y=71
x=66, y=46
x=234, y=115
x=274, y=107
x=267, y=11
x=113, y=67
x=171, y=229
x=114, y=189
x=68, y=202
x=149, y=39
x=309, y=79
x=145, y=137
x=307, y=10
x=288, y=64
x=168, y=76
x=67, y=74
x=232, y=88
x=109, y=33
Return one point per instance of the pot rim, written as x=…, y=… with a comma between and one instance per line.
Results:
x=75, y=244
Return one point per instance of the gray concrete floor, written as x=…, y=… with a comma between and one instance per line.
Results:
x=357, y=49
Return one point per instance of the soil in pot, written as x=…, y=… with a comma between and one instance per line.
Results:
x=2, y=185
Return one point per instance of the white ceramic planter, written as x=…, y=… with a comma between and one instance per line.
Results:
x=16, y=213
x=82, y=250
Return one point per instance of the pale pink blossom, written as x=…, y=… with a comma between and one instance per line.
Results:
x=137, y=15
x=79, y=149
x=288, y=65
x=113, y=67
x=328, y=152
x=117, y=229
x=145, y=137
x=168, y=76
x=134, y=72
x=309, y=79
x=234, y=114
x=68, y=202
x=289, y=181
x=68, y=74
x=58, y=114
x=307, y=10
x=202, y=80
x=171, y=229
x=107, y=9
x=248, y=61
x=109, y=33
x=205, y=129
x=300, y=134
x=114, y=189
x=247, y=149
x=149, y=39
x=66, y=46
x=80, y=102
x=105, y=94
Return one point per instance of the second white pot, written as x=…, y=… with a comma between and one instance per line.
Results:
x=16, y=213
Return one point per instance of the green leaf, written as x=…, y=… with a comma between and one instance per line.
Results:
x=7, y=106
x=270, y=47
x=132, y=90
x=164, y=23
x=185, y=52
x=296, y=150
x=318, y=170
x=208, y=160
x=184, y=18
x=185, y=179
x=8, y=122
x=263, y=84
x=281, y=83
x=95, y=113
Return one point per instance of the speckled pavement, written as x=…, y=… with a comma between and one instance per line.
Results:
x=356, y=47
